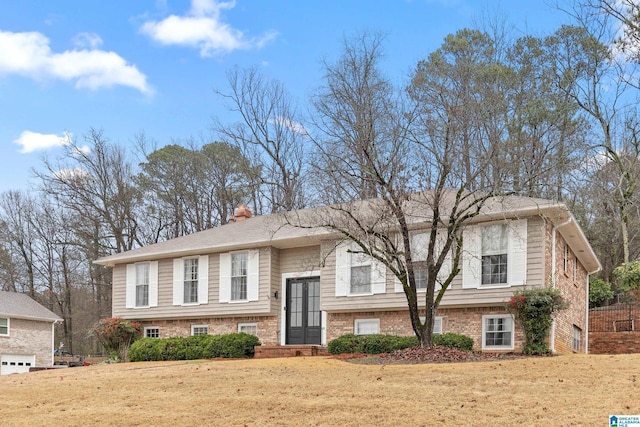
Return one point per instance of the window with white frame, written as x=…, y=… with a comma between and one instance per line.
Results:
x=142, y=285
x=151, y=332
x=4, y=326
x=494, y=254
x=577, y=338
x=420, y=274
x=239, y=276
x=190, y=280
x=199, y=329
x=437, y=324
x=366, y=326
x=575, y=268
x=497, y=332
x=358, y=273
x=565, y=259
x=248, y=328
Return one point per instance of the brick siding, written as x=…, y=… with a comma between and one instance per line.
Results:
x=29, y=337
x=465, y=321
x=268, y=332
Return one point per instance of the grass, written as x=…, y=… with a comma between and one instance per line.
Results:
x=570, y=390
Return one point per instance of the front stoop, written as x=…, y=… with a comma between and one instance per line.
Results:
x=269, y=351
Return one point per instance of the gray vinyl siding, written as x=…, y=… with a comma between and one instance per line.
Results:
x=454, y=296
x=213, y=308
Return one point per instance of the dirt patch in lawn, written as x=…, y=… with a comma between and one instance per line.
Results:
x=572, y=390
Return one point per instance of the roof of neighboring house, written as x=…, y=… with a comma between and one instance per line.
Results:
x=276, y=229
x=21, y=306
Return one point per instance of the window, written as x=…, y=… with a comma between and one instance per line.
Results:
x=190, y=280
x=239, y=276
x=366, y=326
x=4, y=326
x=437, y=324
x=575, y=268
x=420, y=273
x=360, y=279
x=199, y=329
x=248, y=328
x=357, y=273
x=494, y=254
x=497, y=332
x=565, y=259
x=577, y=338
x=151, y=332
x=142, y=285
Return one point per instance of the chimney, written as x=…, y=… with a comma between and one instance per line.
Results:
x=242, y=213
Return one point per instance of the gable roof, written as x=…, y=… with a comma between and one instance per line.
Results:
x=274, y=230
x=21, y=306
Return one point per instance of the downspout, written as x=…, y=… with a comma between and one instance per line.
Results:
x=552, y=337
x=586, y=316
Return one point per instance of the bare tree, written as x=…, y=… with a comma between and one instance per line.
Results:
x=268, y=133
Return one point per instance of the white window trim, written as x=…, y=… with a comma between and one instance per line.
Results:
x=517, y=247
x=203, y=280
x=344, y=262
x=436, y=319
x=148, y=328
x=8, y=327
x=358, y=322
x=193, y=327
x=484, y=331
x=131, y=283
x=248, y=325
x=253, y=277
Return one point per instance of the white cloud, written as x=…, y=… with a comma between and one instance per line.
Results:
x=33, y=141
x=29, y=54
x=202, y=27
x=294, y=126
x=89, y=40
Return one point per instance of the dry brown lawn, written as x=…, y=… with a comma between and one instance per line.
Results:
x=575, y=390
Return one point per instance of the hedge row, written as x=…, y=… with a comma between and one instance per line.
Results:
x=194, y=347
x=376, y=344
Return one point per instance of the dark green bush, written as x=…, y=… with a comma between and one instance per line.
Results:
x=370, y=344
x=194, y=347
x=451, y=340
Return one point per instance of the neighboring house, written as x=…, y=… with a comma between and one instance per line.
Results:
x=26, y=333
x=291, y=285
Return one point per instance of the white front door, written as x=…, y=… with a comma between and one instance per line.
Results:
x=15, y=364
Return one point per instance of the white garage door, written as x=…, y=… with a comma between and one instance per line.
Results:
x=12, y=363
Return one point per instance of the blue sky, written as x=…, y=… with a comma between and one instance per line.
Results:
x=142, y=66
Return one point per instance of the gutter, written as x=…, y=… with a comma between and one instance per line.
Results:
x=586, y=316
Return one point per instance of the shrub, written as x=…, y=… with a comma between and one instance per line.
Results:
x=451, y=340
x=116, y=335
x=370, y=344
x=534, y=309
x=194, y=347
x=599, y=292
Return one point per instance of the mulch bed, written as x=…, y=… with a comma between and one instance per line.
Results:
x=435, y=354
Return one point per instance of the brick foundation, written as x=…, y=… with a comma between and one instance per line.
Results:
x=268, y=332
x=465, y=321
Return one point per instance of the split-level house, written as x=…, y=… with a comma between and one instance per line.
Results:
x=26, y=333
x=291, y=285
